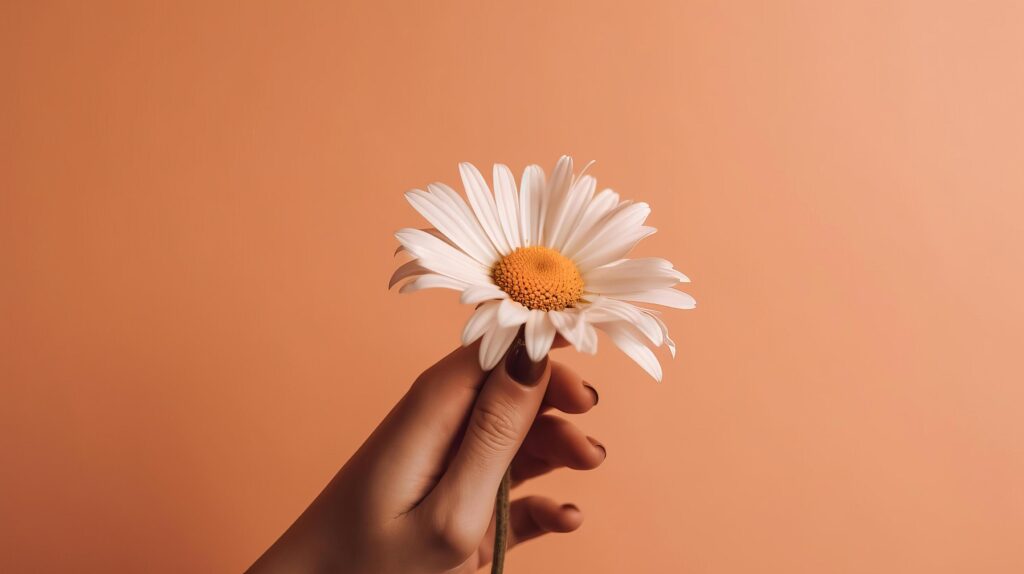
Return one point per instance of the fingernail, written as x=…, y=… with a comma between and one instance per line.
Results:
x=594, y=442
x=570, y=507
x=521, y=368
x=593, y=391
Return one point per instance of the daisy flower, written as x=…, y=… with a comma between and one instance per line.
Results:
x=548, y=254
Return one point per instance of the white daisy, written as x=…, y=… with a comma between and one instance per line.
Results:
x=548, y=255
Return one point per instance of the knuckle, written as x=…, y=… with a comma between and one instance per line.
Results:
x=495, y=425
x=450, y=540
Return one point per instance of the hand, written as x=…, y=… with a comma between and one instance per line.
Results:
x=418, y=496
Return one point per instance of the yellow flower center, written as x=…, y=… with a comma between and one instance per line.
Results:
x=539, y=278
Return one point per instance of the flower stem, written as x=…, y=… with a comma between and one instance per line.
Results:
x=501, y=525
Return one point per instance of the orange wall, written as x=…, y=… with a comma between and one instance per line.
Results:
x=196, y=212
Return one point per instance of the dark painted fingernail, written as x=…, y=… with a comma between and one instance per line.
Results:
x=521, y=368
x=570, y=507
x=594, y=442
x=593, y=391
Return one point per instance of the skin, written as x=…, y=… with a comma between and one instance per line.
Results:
x=418, y=496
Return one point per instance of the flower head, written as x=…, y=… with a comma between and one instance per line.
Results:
x=548, y=255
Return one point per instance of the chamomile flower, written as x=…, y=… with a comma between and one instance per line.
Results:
x=548, y=254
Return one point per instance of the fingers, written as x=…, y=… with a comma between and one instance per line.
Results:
x=531, y=517
x=502, y=415
x=435, y=407
x=406, y=453
x=568, y=392
x=428, y=423
x=535, y=515
x=444, y=393
x=555, y=443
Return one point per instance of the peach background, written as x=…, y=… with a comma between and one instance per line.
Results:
x=195, y=226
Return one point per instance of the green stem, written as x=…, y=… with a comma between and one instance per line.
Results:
x=501, y=525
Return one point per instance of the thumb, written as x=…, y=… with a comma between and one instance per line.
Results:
x=463, y=500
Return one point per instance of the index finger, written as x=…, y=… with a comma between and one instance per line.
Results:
x=568, y=391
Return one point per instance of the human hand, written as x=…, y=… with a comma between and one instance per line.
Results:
x=418, y=496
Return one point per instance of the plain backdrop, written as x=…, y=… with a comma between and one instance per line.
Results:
x=197, y=202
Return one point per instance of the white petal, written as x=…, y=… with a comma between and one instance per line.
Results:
x=540, y=333
x=635, y=212
x=557, y=189
x=512, y=314
x=477, y=293
x=483, y=319
x=440, y=257
x=666, y=297
x=432, y=282
x=599, y=207
x=588, y=338
x=507, y=200
x=565, y=324
x=406, y=270
x=573, y=326
x=648, y=265
x=584, y=170
x=450, y=220
x=628, y=275
x=667, y=265
x=482, y=202
x=604, y=310
x=664, y=330
x=572, y=210
x=610, y=235
x=608, y=248
x=430, y=230
x=494, y=345
x=633, y=347
x=531, y=195
x=467, y=221
x=454, y=269
x=430, y=240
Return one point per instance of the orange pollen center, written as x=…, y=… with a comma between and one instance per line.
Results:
x=539, y=278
